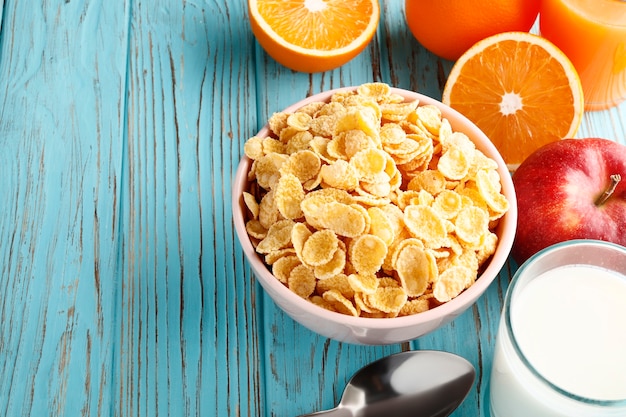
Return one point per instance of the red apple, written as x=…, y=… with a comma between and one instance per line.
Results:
x=570, y=189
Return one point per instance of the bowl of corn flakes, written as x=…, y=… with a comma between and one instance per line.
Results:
x=372, y=214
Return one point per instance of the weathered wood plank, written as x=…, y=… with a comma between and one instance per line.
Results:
x=62, y=81
x=188, y=342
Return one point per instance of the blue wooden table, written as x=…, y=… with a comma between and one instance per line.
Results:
x=124, y=291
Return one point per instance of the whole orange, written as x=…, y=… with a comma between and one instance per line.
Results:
x=448, y=28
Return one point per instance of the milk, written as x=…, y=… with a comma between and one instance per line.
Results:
x=570, y=324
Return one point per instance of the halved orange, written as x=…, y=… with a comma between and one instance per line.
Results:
x=313, y=35
x=520, y=90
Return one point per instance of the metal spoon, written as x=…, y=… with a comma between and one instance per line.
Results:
x=408, y=384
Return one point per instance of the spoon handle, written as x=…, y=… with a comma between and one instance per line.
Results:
x=335, y=412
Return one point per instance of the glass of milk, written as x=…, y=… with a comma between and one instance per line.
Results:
x=561, y=344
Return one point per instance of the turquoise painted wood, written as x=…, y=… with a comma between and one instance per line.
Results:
x=123, y=289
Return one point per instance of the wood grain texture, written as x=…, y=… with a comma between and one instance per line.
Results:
x=124, y=291
x=186, y=329
x=61, y=146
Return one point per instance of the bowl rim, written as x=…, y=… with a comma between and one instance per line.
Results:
x=457, y=305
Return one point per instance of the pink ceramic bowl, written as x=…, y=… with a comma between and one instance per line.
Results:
x=380, y=331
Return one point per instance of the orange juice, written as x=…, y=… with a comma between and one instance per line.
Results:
x=592, y=33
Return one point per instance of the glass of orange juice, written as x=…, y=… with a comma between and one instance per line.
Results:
x=592, y=33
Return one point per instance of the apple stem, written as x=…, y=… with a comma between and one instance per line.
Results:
x=615, y=179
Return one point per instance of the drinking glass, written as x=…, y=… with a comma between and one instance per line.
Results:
x=592, y=33
x=561, y=343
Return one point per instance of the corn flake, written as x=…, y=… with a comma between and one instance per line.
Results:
x=454, y=164
x=387, y=299
x=415, y=306
x=300, y=141
x=447, y=204
x=333, y=267
x=432, y=181
x=345, y=220
x=367, y=254
x=274, y=256
x=255, y=229
x=305, y=165
x=300, y=233
x=376, y=91
x=489, y=189
x=278, y=237
x=323, y=125
x=283, y=266
x=460, y=141
x=288, y=196
x=320, y=248
x=381, y=225
x=302, y=281
x=487, y=247
x=424, y=223
x=277, y=122
x=251, y=204
x=299, y=120
x=396, y=112
x=339, y=174
x=268, y=210
x=369, y=163
x=340, y=303
x=451, y=282
x=415, y=269
x=430, y=117
x=320, y=302
x=338, y=283
x=471, y=223
x=267, y=169
x=253, y=148
x=363, y=119
x=363, y=283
